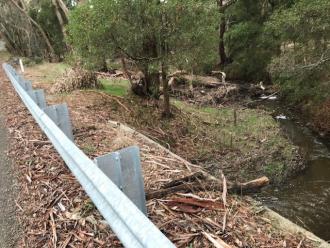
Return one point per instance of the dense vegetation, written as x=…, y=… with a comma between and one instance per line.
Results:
x=285, y=42
x=302, y=65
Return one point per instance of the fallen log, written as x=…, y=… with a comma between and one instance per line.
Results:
x=207, y=185
x=182, y=77
x=206, y=81
x=251, y=185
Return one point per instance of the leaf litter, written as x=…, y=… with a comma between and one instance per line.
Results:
x=54, y=211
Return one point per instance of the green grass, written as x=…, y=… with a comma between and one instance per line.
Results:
x=275, y=168
x=50, y=72
x=115, y=87
x=255, y=128
x=256, y=133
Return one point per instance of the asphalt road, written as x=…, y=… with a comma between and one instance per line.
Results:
x=8, y=221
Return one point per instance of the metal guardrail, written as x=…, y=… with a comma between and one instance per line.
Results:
x=130, y=225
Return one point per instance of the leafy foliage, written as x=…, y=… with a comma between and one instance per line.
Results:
x=248, y=48
x=177, y=33
x=302, y=66
x=43, y=12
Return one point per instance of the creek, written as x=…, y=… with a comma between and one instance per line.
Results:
x=305, y=199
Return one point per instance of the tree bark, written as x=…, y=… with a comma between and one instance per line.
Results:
x=64, y=9
x=62, y=14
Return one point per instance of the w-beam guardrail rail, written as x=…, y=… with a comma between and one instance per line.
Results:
x=130, y=225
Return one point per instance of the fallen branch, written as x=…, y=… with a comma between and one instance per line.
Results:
x=211, y=185
x=250, y=186
x=190, y=178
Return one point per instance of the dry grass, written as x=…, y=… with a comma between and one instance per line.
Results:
x=46, y=72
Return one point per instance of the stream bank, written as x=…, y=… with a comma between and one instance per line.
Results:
x=244, y=148
x=256, y=132
x=305, y=199
x=78, y=223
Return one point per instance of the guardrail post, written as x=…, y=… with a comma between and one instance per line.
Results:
x=124, y=170
x=110, y=166
x=38, y=97
x=26, y=84
x=60, y=115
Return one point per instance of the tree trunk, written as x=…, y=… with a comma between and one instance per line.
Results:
x=222, y=30
x=64, y=9
x=166, y=94
x=59, y=17
x=126, y=73
x=22, y=4
x=146, y=79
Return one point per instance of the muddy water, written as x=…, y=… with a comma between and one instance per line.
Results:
x=306, y=199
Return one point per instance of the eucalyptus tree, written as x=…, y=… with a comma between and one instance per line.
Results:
x=156, y=34
x=23, y=35
x=33, y=28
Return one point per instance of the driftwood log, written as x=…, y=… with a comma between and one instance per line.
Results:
x=200, y=181
x=182, y=77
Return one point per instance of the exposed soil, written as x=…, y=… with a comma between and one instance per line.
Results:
x=55, y=211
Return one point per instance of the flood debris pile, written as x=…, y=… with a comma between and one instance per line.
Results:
x=213, y=91
x=54, y=211
x=74, y=79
